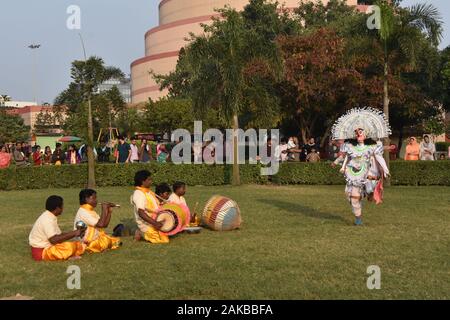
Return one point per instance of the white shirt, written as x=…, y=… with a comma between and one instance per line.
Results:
x=90, y=218
x=177, y=200
x=45, y=227
x=139, y=201
x=134, y=153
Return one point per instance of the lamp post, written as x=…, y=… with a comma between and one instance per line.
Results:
x=90, y=144
x=34, y=47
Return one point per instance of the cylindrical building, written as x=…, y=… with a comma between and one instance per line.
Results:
x=177, y=18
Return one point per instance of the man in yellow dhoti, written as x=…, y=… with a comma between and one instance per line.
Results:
x=145, y=207
x=95, y=237
x=46, y=239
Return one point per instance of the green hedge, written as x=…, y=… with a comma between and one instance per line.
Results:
x=442, y=146
x=415, y=173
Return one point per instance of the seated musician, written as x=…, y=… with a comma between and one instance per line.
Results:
x=95, y=238
x=163, y=192
x=47, y=241
x=179, y=190
x=145, y=207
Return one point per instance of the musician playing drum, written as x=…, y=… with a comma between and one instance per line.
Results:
x=145, y=205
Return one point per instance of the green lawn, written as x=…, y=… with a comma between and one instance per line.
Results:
x=295, y=243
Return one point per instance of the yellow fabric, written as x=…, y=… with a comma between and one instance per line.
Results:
x=102, y=243
x=63, y=251
x=96, y=239
x=152, y=235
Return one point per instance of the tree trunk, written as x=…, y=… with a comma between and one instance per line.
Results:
x=386, y=112
x=236, y=175
x=90, y=151
x=400, y=141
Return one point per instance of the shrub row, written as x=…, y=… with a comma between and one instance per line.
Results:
x=403, y=173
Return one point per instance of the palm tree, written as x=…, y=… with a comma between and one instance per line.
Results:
x=86, y=76
x=402, y=29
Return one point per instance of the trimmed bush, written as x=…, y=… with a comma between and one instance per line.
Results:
x=407, y=173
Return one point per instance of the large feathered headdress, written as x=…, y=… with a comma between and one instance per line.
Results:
x=372, y=121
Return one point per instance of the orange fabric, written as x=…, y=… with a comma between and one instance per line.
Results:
x=88, y=207
x=96, y=239
x=5, y=160
x=63, y=251
x=102, y=243
x=412, y=151
x=152, y=235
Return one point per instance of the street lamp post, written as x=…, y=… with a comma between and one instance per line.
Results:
x=90, y=144
x=34, y=47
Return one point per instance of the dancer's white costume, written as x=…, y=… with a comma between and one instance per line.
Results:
x=363, y=165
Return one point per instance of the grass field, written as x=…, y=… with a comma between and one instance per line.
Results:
x=295, y=243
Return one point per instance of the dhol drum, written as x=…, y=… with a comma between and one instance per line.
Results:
x=221, y=214
x=174, y=217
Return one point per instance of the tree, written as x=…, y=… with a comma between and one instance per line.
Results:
x=215, y=69
x=320, y=82
x=86, y=77
x=129, y=122
x=12, y=128
x=44, y=121
x=401, y=30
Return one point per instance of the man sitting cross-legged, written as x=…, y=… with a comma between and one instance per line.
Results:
x=46, y=239
x=145, y=208
x=95, y=238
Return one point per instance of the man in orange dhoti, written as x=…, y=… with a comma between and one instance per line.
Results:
x=95, y=237
x=46, y=239
x=146, y=205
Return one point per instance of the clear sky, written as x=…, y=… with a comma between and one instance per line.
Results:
x=112, y=29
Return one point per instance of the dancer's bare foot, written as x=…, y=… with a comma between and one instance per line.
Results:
x=75, y=258
x=137, y=235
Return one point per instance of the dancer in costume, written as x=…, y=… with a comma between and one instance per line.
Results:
x=146, y=205
x=96, y=239
x=363, y=163
x=46, y=239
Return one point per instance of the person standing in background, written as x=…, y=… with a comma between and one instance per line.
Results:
x=58, y=156
x=37, y=156
x=145, y=154
x=412, y=150
x=313, y=156
x=5, y=158
x=47, y=157
x=427, y=149
x=134, y=158
x=104, y=152
x=123, y=151
x=19, y=157
x=73, y=157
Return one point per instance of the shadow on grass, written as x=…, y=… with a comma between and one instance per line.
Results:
x=303, y=210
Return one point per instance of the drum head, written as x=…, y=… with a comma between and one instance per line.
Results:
x=170, y=221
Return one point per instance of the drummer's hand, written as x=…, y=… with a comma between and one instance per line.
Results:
x=159, y=224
